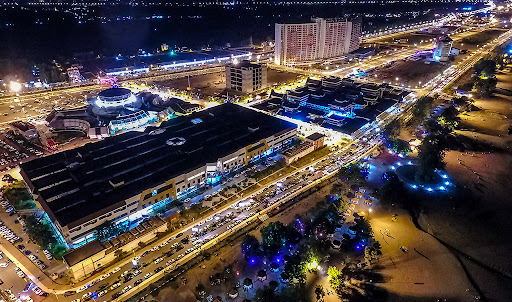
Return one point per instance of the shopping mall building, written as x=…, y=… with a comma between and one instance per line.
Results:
x=125, y=178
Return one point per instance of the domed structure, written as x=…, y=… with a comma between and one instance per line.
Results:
x=118, y=110
x=113, y=102
x=115, y=97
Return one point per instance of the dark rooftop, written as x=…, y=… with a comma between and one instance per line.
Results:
x=113, y=92
x=22, y=126
x=246, y=64
x=315, y=136
x=83, y=252
x=78, y=183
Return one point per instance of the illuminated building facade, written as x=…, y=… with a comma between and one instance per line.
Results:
x=74, y=74
x=246, y=76
x=337, y=108
x=127, y=177
x=442, y=49
x=320, y=39
x=118, y=110
x=121, y=110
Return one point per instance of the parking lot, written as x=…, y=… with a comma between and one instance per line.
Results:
x=13, y=230
x=14, y=149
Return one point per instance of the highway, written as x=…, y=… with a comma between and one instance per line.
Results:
x=226, y=221
x=221, y=224
x=40, y=104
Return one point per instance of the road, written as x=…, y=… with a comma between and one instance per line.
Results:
x=227, y=216
x=400, y=52
x=253, y=211
x=40, y=104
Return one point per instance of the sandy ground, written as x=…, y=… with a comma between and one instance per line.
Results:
x=427, y=271
x=476, y=222
x=213, y=84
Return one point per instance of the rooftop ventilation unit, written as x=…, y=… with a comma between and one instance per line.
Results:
x=115, y=185
x=176, y=141
x=157, y=131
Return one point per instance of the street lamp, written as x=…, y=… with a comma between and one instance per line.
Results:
x=313, y=265
x=15, y=86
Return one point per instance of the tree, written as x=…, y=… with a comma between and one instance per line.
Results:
x=274, y=238
x=265, y=294
x=432, y=125
x=273, y=285
x=17, y=194
x=335, y=278
x=448, y=120
x=107, y=230
x=449, y=124
x=399, y=146
x=251, y=247
x=485, y=68
x=295, y=269
x=468, y=86
x=293, y=232
x=450, y=113
x=351, y=173
x=41, y=232
x=393, y=191
x=319, y=292
x=422, y=107
x=392, y=130
x=485, y=86
x=294, y=292
x=430, y=158
x=462, y=103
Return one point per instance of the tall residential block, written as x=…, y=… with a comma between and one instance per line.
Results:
x=319, y=39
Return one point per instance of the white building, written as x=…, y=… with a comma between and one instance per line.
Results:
x=443, y=49
x=320, y=39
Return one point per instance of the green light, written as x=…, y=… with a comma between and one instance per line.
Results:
x=172, y=53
